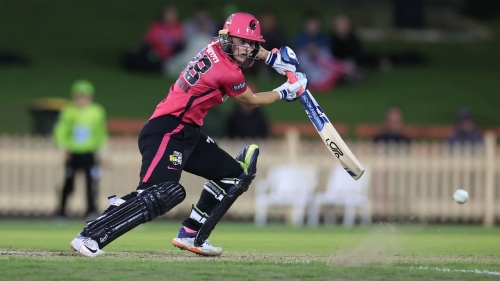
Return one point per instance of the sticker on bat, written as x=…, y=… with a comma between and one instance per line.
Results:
x=313, y=111
x=334, y=147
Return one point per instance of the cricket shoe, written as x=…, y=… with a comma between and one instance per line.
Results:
x=86, y=246
x=185, y=241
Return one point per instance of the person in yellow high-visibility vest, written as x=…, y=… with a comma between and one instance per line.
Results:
x=81, y=132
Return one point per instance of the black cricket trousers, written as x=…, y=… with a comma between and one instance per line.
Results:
x=86, y=163
x=169, y=146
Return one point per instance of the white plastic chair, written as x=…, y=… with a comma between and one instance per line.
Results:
x=286, y=185
x=342, y=190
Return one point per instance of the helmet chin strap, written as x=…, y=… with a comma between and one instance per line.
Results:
x=249, y=60
x=226, y=44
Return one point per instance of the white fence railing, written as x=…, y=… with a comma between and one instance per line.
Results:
x=414, y=182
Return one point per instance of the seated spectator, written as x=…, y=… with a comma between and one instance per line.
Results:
x=199, y=29
x=322, y=70
x=200, y=23
x=347, y=46
x=311, y=34
x=164, y=38
x=393, y=128
x=275, y=38
x=465, y=130
x=345, y=43
x=247, y=122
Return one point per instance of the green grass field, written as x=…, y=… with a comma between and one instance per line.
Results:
x=73, y=40
x=39, y=250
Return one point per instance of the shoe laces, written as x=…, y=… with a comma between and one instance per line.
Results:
x=207, y=243
x=89, y=242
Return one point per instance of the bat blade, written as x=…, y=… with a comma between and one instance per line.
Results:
x=330, y=136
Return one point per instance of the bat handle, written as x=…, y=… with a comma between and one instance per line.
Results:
x=293, y=79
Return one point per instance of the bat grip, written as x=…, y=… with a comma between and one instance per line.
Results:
x=293, y=79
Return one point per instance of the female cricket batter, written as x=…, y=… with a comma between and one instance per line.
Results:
x=171, y=142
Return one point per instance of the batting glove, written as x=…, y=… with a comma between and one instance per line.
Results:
x=283, y=59
x=290, y=92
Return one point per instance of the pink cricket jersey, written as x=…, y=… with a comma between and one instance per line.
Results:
x=208, y=79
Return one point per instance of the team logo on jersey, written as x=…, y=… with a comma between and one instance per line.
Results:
x=253, y=24
x=176, y=158
x=210, y=140
x=239, y=86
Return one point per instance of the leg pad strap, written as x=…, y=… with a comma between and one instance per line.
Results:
x=198, y=215
x=248, y=160
x=149, y=204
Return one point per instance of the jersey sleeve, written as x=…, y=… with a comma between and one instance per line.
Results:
x=62, y=129
x=233, y=84
x=101, y=131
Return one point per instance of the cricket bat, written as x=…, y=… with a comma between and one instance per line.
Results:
x=327, y=132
